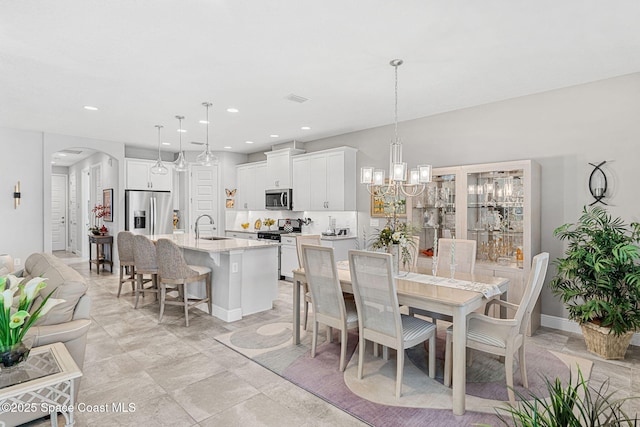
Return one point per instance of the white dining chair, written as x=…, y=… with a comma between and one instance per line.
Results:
x=329, y=306
x=306, y=239
x=379, y=318
x=503, y=337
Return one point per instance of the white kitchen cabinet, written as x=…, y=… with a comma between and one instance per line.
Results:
x=250, y=179
x=325, y=180
x=139, y=176
x=279, y=168
x=288, y=256
x=301, y=184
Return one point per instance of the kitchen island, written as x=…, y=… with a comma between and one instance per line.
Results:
x=245, y=272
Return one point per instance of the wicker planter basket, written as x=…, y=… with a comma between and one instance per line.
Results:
x=601, y=342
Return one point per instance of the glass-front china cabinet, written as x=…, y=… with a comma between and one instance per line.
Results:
x=495, y=204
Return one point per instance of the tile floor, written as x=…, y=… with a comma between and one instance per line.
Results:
x=177, y=376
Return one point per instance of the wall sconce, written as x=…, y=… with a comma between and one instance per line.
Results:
x=598, y=183
x=16, y=196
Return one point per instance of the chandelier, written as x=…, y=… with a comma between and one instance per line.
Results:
x=180, y=163
x=206, y=158
x=398, y=182
x=159, y=168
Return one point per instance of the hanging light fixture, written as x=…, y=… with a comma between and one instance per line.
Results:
x=398, y=182
x=159, y=168
x=206, y=158
x=180, y=163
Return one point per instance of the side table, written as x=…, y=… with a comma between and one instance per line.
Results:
x=101, y=259
x=44, y=382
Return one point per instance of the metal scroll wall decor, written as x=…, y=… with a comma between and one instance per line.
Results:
x=598, y=183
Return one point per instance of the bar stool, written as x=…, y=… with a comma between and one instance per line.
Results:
x=144, y=257
x=125, y=256
x=175, y=273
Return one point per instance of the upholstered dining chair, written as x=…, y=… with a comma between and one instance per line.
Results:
x=306, y=239
x=503, y=337
x=379, y=318
x=465, y=261
x=126, y=260
x=175, y=273
x=329, y=306
x=464, y=255
x=144, y=257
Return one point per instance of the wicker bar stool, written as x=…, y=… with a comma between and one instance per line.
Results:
x=175, y=273
x=125, y=256
x=144, y=256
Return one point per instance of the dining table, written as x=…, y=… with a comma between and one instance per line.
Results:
x=443, y=294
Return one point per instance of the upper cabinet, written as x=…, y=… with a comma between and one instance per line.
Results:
x=279, y=168
x=139, y=176
x=251, y=180
x=325, y=180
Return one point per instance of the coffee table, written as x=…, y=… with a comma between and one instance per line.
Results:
x=44, y=382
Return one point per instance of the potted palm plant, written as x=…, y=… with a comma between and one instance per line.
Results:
x=599, y=280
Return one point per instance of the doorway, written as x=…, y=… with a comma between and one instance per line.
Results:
x=59, y=229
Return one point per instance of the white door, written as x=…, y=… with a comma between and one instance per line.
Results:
x=58, y=212
x=85, y=203
x=73, y=214
x=204, y=197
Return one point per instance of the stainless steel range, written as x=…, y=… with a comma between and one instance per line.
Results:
x=285, y=226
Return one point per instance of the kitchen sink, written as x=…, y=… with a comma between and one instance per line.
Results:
x=214, y=238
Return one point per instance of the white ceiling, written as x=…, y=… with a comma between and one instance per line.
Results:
x=144, y=61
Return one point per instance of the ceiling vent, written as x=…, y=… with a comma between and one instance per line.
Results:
x=296, y=98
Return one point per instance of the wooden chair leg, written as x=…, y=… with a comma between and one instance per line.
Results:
x=343, y=349
x=399, y=370
x=361, y=346
x=523, y=367
x=306, y=314
x=138, y=289
x=121, y=280
x=314, y=337
x=209, y=294
x=432, y=356
x=508, y=367
x=163, y=295
x=185, y=300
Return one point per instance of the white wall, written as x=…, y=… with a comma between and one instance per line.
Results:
x=21, y=229
x=563, y=130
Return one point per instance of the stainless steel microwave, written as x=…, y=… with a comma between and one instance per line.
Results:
x=278, y=199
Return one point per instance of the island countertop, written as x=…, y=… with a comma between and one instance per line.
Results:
x=222, y=244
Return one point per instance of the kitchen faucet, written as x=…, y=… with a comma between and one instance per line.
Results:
x=198, y=219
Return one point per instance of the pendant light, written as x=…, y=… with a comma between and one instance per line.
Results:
x=180, y=163
x=398, y=182
x=159, y=168
x=206, y=158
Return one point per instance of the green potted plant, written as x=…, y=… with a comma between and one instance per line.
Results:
x=599, y=280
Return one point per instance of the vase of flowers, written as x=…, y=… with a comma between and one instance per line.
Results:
x=99, y=211
x=17, y=315
x=395, y=238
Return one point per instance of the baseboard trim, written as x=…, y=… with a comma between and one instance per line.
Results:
x=567, y=325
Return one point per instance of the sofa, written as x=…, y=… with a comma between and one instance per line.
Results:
x=68, y=322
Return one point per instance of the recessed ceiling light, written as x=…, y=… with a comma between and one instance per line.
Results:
x=90, y=108
x=232, y=110
x=61, y=154
x=204, y=122
x=248, y=142
x=305, y=128
x=227, y=147
x=274, y=136
x=166, y=143
x=182, y=130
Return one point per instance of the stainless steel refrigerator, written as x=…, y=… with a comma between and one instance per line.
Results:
x=148, y=212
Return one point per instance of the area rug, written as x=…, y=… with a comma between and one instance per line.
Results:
x=424, y=401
